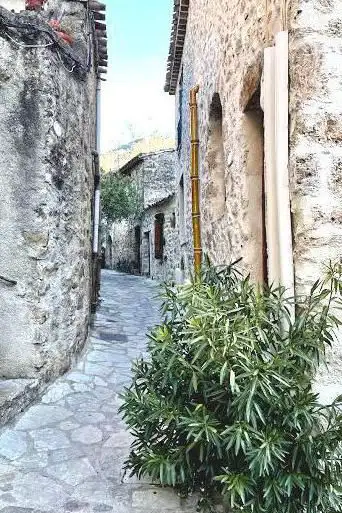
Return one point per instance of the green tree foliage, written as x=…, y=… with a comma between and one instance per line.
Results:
x=225, y=403
x=119, y=197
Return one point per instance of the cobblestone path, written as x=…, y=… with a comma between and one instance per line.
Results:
x=65, y=453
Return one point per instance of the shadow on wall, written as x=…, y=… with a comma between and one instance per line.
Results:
x=255, y=252
x=126, y=266
x=214, y=189
x=215, y=162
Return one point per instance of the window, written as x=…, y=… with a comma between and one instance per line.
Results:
x=181, y=200
x=173, y=220
x=159, y=236
x=146, y=254
x=137, y=249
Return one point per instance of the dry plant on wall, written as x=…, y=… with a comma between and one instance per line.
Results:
x=283, y=8
x=284, y=14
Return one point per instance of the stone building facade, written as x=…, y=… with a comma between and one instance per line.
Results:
x=48, y=106
x=269, y=108
x=160, y=267
x=131, y=244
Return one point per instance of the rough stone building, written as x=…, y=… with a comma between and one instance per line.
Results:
x=48, y=167
x=148, y=244
x=270, y=131
x=159, y=240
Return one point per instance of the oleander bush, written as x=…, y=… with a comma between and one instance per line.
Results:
x=225, y=402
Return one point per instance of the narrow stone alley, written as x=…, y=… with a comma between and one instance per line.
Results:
x=65, y=453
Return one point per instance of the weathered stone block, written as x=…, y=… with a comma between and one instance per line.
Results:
x=47, y=134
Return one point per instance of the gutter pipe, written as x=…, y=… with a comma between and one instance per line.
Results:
x=96, y=228
x=97, y=205
x=282, y=162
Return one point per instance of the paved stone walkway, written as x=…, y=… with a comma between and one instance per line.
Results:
x=65, y=453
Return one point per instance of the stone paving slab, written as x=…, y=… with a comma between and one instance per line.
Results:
x=65, y=453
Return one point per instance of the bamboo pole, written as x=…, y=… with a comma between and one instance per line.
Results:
x=196, y=213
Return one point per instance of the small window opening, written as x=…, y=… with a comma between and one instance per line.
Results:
x=159, y=236
x=137, y=249
x=145, y=253
x=181, y=209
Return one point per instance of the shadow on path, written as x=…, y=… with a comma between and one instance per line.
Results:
x=65, y=453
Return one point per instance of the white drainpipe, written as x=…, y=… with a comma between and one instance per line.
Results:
x=282, y=161
x=96, y=221
x=97, y=201
x=278, y=209
x=268, y=105
x=98, y=115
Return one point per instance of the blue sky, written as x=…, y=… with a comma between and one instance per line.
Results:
x=133, y=101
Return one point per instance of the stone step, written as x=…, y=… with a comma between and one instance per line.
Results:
x=15, y=396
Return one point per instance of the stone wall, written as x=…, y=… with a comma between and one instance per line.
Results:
x=316, y=152
x=47, y=135
x=154, y=176
x=160, y=269
x=124, y=255
x=223, y=54
x=316, y=136
x=158, y=177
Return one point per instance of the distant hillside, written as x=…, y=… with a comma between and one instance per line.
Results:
x=115, y=159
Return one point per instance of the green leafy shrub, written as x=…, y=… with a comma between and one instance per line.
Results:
x=119, y=198
x=225, y=402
